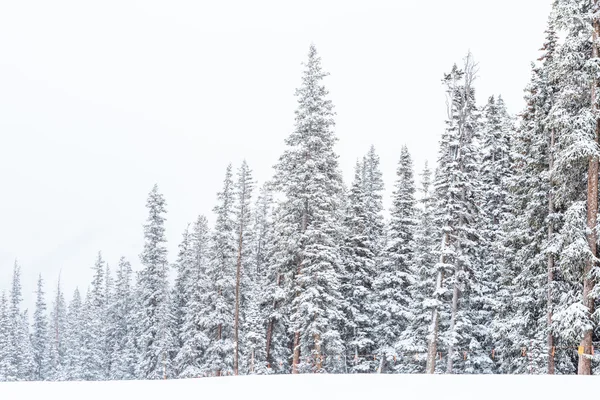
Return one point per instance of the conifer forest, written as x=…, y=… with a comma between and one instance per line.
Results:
x=485, y=263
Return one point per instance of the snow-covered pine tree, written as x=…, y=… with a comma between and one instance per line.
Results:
x=74, y=340
x=308, y=177
x=396, y=275
x=494, y=175
x=279, y=292
x=180, y=296
x=359, y=254
x=243, y=189
x=364, y=231
x=39, y=337
x=426, y=240
x=109, y=324
x=373, y=194
x=4, y=342
x=19, y=357
x=123, y=355
x=528, y=287
x=259, y=303
x=575, y=117
x=456, y=193
x=24, y=338
x=219, y=297
x=154, y=331
x=93, y=327
x=56, y=338
x=193, y=258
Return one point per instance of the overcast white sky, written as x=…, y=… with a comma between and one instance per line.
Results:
x=100, y=100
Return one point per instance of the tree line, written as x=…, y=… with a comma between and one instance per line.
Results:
x=486, y=264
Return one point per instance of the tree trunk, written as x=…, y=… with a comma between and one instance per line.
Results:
x=435, y=316
x=585, y=361
x=455, y=293
x=550, y=261
x=318, y=355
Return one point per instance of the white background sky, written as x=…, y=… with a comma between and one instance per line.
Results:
x=100, y=100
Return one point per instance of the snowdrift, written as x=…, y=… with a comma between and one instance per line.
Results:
x=313, y=387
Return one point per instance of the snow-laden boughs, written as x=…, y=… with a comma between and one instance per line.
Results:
x=154, y=330
x=426, y=238
x=39, y=337
x=309, y=179
x=395, y=277
x=219, y=296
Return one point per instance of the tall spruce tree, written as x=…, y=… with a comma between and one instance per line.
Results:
x=57, y=339
x=243, y=189
x=357, y=283
x=123, y=355
x=396, y=275
x=219, y=297
x=426, y=238
x=154, y=335
x=192, y=263
x=74, y=339
x=39, y=336
x=308, y=176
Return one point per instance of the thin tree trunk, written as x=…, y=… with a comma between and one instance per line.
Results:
x=585, y=361
x=435, y=316
x=550, y=261
x=296, y=358
x=318, y=355
x=449, y=369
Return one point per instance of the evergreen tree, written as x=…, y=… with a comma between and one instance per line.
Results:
x=259, y=303
x=575, y=117
x=123, y=355
x=39, y=338
x=242, y=224
x=74, y=339
x=192, y=262
x=426, y=240
x=393, y=282
x=308, y=176
x=456, y=192
x=155, y=336
x=57, y=336
x=217, y=316
x=4, y=338
x=360, y=262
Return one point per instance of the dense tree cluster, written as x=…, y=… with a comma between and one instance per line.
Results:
x=485, y=265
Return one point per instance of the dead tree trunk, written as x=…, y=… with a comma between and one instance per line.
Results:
x=435, y=317
x=550, y=260
x=455, y=293
x=585, y=360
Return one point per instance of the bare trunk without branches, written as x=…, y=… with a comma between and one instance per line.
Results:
x=435, y=317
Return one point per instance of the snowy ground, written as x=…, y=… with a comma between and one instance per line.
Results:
x=312, y=387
